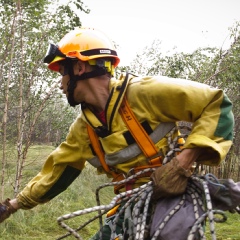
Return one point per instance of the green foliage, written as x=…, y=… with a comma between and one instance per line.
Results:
x=55, y=121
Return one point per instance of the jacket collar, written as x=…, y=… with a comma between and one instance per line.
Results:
x=117, y=91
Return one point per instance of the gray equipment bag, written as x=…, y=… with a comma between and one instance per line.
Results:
x=183, y=217
x=225, y=193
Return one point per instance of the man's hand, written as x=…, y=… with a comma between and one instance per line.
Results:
x=6, y=209
x=170, y=179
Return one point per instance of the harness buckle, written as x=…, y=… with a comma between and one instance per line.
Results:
x=155, y=159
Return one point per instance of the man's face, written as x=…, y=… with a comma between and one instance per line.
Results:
x=65, y=79
x=79, y=91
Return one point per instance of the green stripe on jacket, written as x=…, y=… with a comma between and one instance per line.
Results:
x=226, y=120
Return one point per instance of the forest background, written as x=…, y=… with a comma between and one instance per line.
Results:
x=34, y=114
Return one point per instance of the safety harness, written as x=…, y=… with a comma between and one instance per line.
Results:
x=142, y=139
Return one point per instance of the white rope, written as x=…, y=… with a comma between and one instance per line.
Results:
x=115, y=201
x=141, y=197
x=139, y=200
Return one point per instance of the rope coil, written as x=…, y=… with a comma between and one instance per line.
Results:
x=141, y=197
x=137, y=202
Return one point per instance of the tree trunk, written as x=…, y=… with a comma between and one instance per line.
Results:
x=5, y=112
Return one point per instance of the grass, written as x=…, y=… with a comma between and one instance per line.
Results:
x=228, y=230
x=40, y=223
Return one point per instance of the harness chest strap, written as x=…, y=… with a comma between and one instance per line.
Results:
x=141, y=137
x=143, y=140
x=98, y=150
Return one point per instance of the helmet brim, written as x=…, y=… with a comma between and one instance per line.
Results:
x=54, y=65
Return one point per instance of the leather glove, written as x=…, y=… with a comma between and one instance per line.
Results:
x=6, y=209
x=169, y=180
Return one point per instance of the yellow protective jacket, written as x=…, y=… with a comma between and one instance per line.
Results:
x=154, y=100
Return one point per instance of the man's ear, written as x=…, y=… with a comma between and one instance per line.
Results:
x=80, y=67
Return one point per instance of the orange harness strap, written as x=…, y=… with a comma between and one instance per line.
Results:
x=98, y=150
x=141, y=137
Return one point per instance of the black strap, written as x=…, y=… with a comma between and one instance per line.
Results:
x=99, y=71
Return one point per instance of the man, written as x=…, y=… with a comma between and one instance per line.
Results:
x=86, y=59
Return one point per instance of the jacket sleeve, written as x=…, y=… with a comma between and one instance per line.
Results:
x=61, y=168
x=209, y=109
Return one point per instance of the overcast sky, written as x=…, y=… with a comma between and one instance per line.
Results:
x=184, y=24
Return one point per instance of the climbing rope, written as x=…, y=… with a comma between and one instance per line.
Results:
x=141, y=197
x=136, y=206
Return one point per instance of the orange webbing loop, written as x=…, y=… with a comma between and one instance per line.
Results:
x=98, y=150
x=142, y=138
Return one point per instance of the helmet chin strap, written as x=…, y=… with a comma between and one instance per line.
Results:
x=99, y=71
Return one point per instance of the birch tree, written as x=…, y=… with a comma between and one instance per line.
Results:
x=27, y=28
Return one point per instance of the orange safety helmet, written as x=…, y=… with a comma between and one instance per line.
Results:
x=84, y=44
